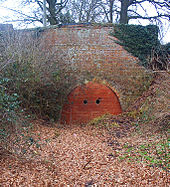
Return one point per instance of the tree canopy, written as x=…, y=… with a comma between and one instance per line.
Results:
x=122, y=11
x=97, y=11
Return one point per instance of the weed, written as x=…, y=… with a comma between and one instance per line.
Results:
x=153, y=154
x=99, y=120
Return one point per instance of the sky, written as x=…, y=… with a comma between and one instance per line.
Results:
x=7, y=15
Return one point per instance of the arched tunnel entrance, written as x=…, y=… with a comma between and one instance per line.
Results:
x=89, y=101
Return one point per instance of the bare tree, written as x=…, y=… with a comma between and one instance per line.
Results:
x=111, y=3
x=86, y=10
x=69, y=11
x=128, y=10
x=109, y=10
x=54, y=9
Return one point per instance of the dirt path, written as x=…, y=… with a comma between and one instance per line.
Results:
x=78, y=156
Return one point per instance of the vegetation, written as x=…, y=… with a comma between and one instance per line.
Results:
x=138, y=40
x=38, y=79
x=15, y=125
x=153, y=154
x=31, y=85
x=94, y=11
x=127, y=13
x=160, y=57
x=142, y=42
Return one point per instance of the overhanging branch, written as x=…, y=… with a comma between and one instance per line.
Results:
x=149, y=17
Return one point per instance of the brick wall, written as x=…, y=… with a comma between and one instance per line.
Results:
x=95, y=51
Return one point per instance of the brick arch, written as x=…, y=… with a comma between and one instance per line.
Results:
x=88, y=101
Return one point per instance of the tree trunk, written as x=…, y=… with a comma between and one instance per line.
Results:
x=111, y=11
x=52, y=10
x=123, y=12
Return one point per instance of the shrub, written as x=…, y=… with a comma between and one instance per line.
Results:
x=41, y=78
x=160, y=57
x=8, y=105
x=13, y=123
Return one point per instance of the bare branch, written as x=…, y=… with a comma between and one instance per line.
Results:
x=150, y=17
x=40, y=4
x=21, y=13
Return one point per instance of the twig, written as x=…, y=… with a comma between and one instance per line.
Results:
x=84, y=167
x=6, y=64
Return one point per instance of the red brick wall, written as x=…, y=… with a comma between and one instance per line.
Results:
x=88, y=44
x=95, y=51
x=88, y=101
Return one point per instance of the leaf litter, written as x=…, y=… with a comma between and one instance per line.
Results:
x=79, y=156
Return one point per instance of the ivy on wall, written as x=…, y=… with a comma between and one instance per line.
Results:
x=137, y=39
